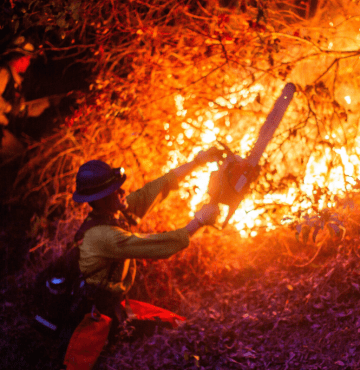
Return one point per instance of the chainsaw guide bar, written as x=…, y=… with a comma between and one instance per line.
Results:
x=231, y=182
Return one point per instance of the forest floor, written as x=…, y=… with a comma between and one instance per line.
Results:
x=265, y=317
x=282, y=319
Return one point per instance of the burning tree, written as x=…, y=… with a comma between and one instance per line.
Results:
x=171, y=78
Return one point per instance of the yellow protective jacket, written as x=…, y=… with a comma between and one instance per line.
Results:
x=104, y=244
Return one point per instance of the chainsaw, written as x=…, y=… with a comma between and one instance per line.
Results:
x=231, y=182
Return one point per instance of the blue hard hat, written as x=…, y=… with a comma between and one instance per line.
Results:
x=95, y=180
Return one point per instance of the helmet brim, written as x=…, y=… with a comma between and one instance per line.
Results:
x=82, y=198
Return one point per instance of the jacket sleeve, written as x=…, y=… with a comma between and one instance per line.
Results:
x=143, y=200
x=115, y=243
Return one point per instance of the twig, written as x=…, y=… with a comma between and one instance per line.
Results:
x=313, y=258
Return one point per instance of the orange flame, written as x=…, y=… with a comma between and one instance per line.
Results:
x=246, y=218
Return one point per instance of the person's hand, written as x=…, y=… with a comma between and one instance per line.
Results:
x=211, y=155
x=208, y=214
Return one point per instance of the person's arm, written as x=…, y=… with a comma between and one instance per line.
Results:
x=115, y=243
x=142, y=201
x=207, y=215
x=211, y=155
x=4, y=79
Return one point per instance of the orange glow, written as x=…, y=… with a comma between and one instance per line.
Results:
x=246, y=218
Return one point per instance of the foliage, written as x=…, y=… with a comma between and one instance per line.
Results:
x=246, y=307
x=327, y=219
x=162, y=69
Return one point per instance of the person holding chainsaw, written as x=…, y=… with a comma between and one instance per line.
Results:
x=108, y=247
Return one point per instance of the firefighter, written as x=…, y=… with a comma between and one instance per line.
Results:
x=18, y=60
x=15, y=62
x=10, y=84
x=110, y=243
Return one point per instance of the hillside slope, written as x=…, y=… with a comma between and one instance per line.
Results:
x=256, y=310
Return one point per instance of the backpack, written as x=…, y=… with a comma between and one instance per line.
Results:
x=60, y=291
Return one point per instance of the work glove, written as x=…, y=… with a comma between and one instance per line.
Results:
x=208, y=214
x=211, y=155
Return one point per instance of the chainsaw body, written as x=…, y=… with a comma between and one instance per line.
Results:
x=231, y=182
